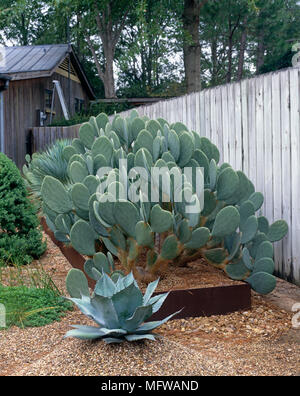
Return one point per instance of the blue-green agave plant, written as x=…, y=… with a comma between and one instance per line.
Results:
x=119, y=308
x=50, y=162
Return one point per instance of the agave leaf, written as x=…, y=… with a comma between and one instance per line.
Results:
x=87, y=309
x=157, y=302
x=140, y=315
x=111, y=340
x=104, y=312
x=138, y=337
x=105, y=287
x=85, y=333
x=113, y=331
x=125, y=281
x=126, y=302
x=148, y=327
x=150, y=290
x=89, y=332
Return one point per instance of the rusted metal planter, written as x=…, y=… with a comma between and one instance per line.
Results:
x=219, y=300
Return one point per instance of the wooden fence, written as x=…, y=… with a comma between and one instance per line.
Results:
x=41, y=137
x=256, y=126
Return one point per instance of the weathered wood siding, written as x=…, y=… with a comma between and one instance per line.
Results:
x=21, y=103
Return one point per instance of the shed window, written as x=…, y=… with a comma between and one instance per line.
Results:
x=79, y=105
x=48, y=98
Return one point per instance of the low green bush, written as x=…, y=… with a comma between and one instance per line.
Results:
x=21, y=239
x=32, y=307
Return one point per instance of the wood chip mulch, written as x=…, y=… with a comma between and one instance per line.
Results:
x=258, y=342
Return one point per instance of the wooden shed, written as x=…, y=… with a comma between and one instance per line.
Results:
x=26, y=78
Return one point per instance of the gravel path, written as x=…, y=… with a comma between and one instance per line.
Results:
x=44, y=352
x=259, y=342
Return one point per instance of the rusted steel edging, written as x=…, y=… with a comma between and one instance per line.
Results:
x=209, y=301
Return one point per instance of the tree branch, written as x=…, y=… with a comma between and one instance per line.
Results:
x=92, y=49
x=117, y=33
x=100, y=23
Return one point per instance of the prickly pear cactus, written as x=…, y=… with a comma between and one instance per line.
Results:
x=225, y=230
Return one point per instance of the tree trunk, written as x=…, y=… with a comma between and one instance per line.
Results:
x=110, y=34
x=242, y=52
x=109, y=79
x=191, y=46
x=24, y=31
x=230, y=52
x=260, y=52
x=214, y=61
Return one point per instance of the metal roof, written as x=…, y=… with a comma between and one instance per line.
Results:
x=21, y=63
x=32, y=58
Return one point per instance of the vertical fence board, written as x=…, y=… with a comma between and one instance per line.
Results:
x=225, y=124
x=238, y=127
x=245, y=140
x=295, y=170
x=213, y=117
x=232, y=131
x=259, y=135
x=252, y=132
x=286, y=169
x=219, y=131
x=268, y=149
x=277, y=163
x=202, y=114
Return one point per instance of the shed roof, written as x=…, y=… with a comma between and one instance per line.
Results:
x=21, y=63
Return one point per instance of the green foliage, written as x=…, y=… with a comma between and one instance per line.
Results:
x=148, y=51
x=32, y=307
x=118, y=308
x=20, y=236
x=94, y=109
x=23, y=20
x=147, y=236
x=30, y=296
